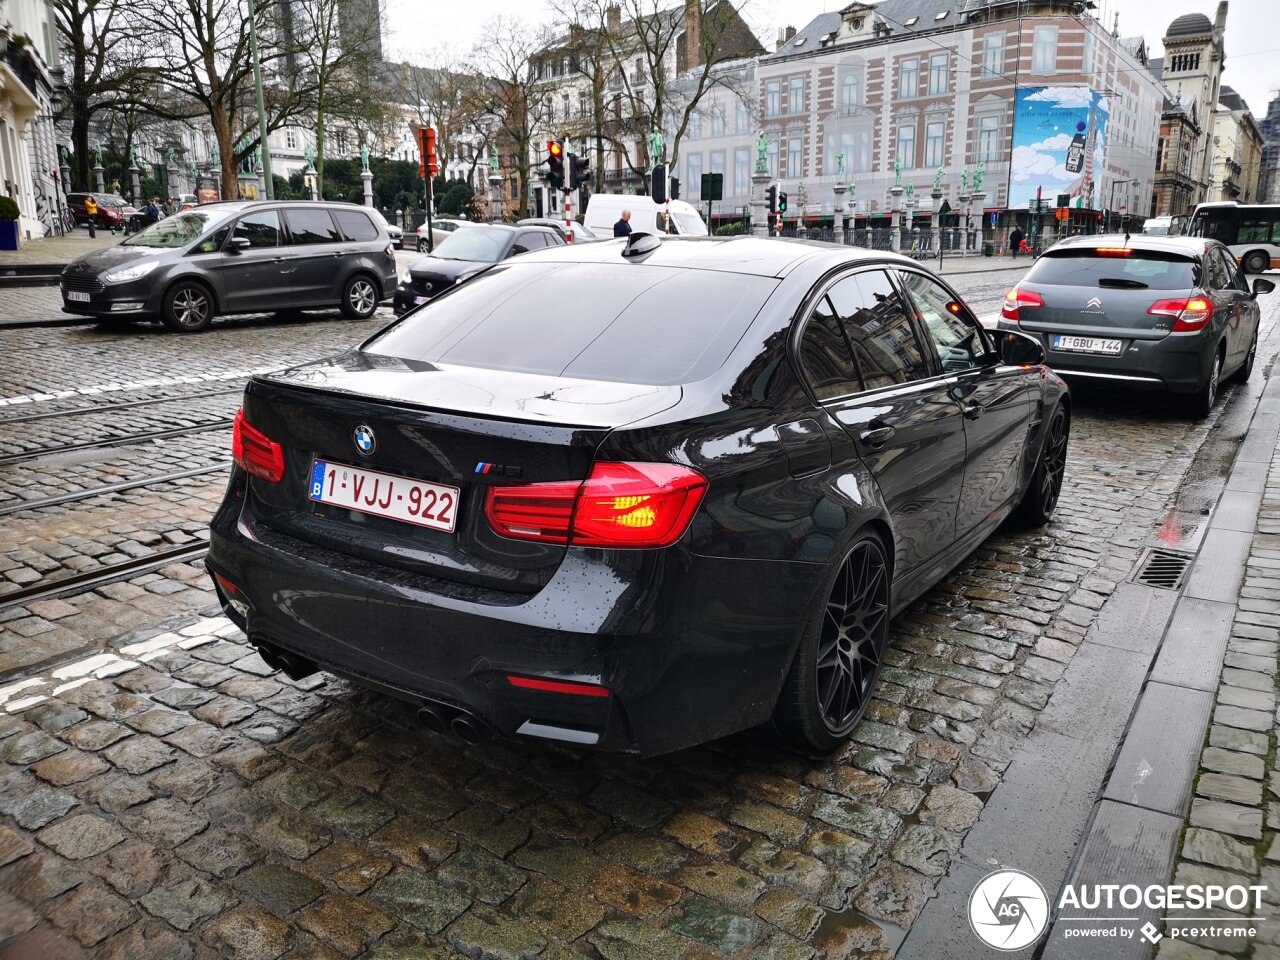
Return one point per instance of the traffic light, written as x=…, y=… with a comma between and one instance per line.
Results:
x=658, y=184
x=772, y=194
x=555, y=163
x=427, y=149
x=579, y=171
x=675, y=188
x=782, y=202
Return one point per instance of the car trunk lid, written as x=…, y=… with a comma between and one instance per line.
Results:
x=461, y=427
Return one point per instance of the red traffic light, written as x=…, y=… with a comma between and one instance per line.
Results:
x=554, y=148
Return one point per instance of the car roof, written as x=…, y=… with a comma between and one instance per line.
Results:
x=1189, y=246
x=758, y=256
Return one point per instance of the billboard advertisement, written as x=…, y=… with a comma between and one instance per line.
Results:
x=1059, y=144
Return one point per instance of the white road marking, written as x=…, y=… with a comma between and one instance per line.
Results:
x=117, y=387
x=9, y=691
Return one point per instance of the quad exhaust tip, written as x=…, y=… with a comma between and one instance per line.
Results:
x=292, y=665
x=443, y=719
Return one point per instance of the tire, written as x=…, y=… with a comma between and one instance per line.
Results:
x=359, y=297
x=1041, y=496
x=829, y=686
x=188, y=307
x=1202, y=400
x=1246, y=369
x=1256, y=262
x=422, y=245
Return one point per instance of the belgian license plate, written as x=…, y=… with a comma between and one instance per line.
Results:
x=1087, y=344
x=77, y=296
x=431, y=505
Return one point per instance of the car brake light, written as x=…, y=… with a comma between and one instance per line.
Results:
x=1189, y=314
x=1114, y=251
x=558, y=686
x=618, y=505
x=255, y=452
x=1017, y=299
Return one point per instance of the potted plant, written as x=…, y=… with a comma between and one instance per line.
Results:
x=8, y=223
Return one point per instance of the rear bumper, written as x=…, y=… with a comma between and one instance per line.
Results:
x=690, y=648
x=1179, y=363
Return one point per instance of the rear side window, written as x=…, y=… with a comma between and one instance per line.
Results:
x=592, y=321
x=878, y=325
x=1085, y=267
x=355, y=225
x=824, y=354
x=310, y=226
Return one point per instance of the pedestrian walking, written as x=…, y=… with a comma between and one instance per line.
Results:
x=623, y=227
x=91, y=212
x=151, y=213
x=1015, y=241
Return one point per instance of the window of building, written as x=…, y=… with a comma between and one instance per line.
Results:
x=564, y=106
x=695, y=126
x=741, y=170
x=993, y=55
x=862, y=151
x=939, y=67
x=907, y=146
x=693, y=175
x=909, y=78
x=717, y=162
x=1044, y=50
x=773, y=98
x=989, y=139
x=772, y=155
x=743, y=119
x=793, y=157
x=795, y=95
x=717, y=121
x=849, y=91
x=290, y=138
x=584, y=105
x=935, y=143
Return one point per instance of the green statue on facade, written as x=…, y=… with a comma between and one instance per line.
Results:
x=937, y=179
x=979, y=174
x=364, y=158
x=657, y=148
x=897, y=171
x=762, y=153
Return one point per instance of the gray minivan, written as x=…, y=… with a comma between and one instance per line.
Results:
x=237, y=257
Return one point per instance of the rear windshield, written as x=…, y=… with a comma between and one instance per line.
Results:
x=591, y=321
x=1086, y=267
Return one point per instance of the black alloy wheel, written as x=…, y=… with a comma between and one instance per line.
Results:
x=359, y=297
x=830, y=683
x=188, y=307
x=1041, y=497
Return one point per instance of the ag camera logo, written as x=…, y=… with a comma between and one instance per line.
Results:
x=1008, y=910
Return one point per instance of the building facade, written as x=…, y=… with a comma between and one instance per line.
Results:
x=1236, y=172
x=29, y=83
x=1035, y=99
x=1270, y=127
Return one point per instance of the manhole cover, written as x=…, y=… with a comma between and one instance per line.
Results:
x=1162, y=568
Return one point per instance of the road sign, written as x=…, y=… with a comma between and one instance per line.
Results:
x=994, y=218
x=713, y=186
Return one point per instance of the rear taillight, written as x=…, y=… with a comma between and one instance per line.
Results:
x=618, y=505
x=255, y=452
x=1017, y=299
x=1189, y=314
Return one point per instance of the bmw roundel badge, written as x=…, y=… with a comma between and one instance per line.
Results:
x=364, y=439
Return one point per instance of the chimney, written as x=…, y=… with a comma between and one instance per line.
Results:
x=613, y=18
x=791, y=32
x=782, y=38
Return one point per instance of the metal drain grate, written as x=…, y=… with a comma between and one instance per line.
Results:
x=1162, y=568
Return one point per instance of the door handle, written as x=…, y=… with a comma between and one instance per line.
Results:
x=877, y=436
x=277, y=259
x=972, y=411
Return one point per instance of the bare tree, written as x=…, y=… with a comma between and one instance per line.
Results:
x=660, y=59
x=337, y=51
x=446, y=93
x=509, y=98
x=201, y=60
x=104, y=65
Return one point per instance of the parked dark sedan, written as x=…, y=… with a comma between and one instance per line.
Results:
x=581, y=234
x=634, y=495
x=464, y=253
x=1173, y=313
x=237, y=257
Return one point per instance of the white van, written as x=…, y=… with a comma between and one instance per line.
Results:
x=605, y=209
x=1165, y=226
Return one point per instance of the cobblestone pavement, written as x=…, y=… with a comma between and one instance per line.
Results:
x=1231, y=833
x=166, y=795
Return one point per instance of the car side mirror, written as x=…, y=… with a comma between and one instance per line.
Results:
x=238, y=245
x=1262, y=286
x=1020, y=350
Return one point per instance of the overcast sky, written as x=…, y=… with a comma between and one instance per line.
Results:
x=421, y=26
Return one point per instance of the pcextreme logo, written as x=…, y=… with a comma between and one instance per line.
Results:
x=1008, y=910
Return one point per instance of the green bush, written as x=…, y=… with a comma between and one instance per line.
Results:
x=729, y=229
x=9, y=209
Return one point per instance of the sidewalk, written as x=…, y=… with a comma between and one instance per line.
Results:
x=58, y=250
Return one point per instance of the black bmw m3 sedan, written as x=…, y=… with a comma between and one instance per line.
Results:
x=634, y=495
